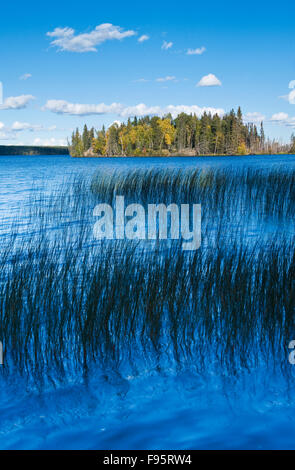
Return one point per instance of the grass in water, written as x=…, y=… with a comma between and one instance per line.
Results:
x=68, y=302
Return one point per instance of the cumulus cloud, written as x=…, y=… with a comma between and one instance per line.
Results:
x=192, y=109
x=49, y=142
x=67, y=40
x=198, y=51
x=166, y=45
x=209, y=80
x=283, y=119
x=141, y=109
x=279, y=117
x=25, y=126
x=254, y=117
x=143, y=38
x=61, y=32
x=64, y=107
x=168, y=78
x=291, y=97
x=16, y=102
x=25, y=76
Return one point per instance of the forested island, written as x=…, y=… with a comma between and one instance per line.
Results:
x=32, y=150
x=184, y=135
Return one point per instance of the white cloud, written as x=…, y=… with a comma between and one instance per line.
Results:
x=64, y=107
x=283, y=119
x=209, y=80
x=143, y=38
x=61, y=32
x=290, y=122
x=279, y=117
x=5, y=133
x=141, y=109
x=25, y=126
x=291, y=97
x=17, y=102
x=192, y=109
x=4, y=136
x=25, y=76
x=117, y=123
x=168, y=78
x=141, y=80
x=49, y=142
x=87, y=42
x=198, y=51
x=254, y=117
x=166, y=45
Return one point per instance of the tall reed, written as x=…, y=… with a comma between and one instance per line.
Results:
x=68, y=302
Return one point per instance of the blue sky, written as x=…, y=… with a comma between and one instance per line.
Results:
x=105, y=61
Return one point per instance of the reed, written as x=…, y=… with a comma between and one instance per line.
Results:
x=259, y=192
x=69, y=303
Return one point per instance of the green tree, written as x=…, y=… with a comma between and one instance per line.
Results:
x=112, y=141
x=292, y=148
x=86, y=139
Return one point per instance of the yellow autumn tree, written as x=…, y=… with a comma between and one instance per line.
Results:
x=167, y=132
x=99, y=143
x=242, y=149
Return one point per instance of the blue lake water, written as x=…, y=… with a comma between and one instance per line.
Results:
x=19, y=173
x=159, y=405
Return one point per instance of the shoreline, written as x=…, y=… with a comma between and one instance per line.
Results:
x=182, y=156
x=32, y=150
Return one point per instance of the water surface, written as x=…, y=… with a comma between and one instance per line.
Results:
x=158, y=403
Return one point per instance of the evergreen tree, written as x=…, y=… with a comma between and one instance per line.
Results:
x=86, y=139
x=187, y=134
x=292, y=148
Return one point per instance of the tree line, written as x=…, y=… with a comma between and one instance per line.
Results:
x=186, y=134
x=32, y=150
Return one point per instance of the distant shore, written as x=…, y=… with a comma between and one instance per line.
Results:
x=32, y=150
x=181, y=155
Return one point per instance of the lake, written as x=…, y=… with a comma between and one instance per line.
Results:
x=140, y=345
